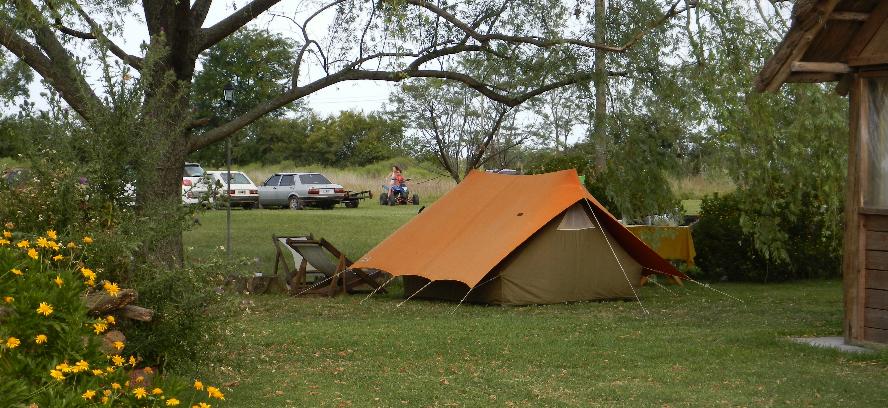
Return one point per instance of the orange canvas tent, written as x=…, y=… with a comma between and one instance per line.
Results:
x=517, y=240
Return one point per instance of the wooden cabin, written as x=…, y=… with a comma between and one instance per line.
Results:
x=846, y=41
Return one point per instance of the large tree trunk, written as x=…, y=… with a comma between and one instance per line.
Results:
x=167, y=109
x=599, y=135
x=160, y=190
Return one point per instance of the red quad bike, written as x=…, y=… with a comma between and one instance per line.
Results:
x=398, y=195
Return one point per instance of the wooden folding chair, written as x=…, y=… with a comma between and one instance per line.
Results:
x=315, y=257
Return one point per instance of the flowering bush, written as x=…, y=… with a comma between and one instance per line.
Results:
x=50, y=348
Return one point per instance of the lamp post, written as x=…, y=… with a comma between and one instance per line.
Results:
x=228, y=97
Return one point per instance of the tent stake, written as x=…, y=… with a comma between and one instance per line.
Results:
x=414, y=294
x=377, y=289
x=600, y=227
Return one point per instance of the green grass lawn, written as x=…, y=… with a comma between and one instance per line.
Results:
x=353, y=230
x=696, y=348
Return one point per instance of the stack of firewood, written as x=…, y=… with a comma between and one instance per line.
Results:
x=120, y=306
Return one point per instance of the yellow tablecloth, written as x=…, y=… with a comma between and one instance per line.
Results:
x=673, y=243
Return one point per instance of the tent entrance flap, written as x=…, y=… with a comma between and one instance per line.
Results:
x=576, y=218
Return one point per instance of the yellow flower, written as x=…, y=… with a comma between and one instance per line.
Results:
x=214, y=392
x=7, y=234
x=88, y=273
x=58, y=257
x=156, y=391
x=87, y=240
x=40, y=339
x=98, y=372
x=64, y=367
x=198, y=385
x=140, y=379
x=54, y=245
x=115, y=386
x=110, y=319
x=202, y=405
x=91, y=282
x=13, y=342
x=81, y=366
x=23, y=244
x=111, y=288
x=4, y=242
x=132, y=361
x=105, y=400
x=52, y=234
x=118, y=345
x=42, y=242
x=8, y=299
x=140, y=392
x=57, y=375
x=172, y=402
x=16, y=272
x=44, y=309
x=71, y=245
x=117, y=360
x=107, y=393
x=33, y=253
x=100, y=328
x=148, y=370
x=89, y=394
x=58, y=280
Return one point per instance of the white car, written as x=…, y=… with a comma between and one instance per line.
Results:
x=195, y=185
x=242, y=190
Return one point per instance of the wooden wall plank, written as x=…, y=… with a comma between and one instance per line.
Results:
x=877, y=240
x=877, y=318
x=875, y=335
x=877, y=260
x=876, y=223
x=876, y=299
x=876, y=279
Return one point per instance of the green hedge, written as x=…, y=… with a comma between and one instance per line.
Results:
x=726, y=252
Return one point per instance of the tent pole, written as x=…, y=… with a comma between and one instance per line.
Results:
x=377, y=289
x=600, y=227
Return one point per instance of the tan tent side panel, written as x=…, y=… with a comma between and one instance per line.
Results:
x=563, y=266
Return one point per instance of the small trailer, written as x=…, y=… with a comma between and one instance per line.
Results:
x=352, y=198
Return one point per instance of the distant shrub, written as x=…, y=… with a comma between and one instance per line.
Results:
x=725, y=251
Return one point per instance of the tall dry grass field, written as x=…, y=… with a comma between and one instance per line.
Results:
x=701, y=185
x=427, y=184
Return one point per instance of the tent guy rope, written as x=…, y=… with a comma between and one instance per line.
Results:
x=414, y=293
x=705, y=285
x=470, y=291
x=377, y=289
x=606, y=239
x=320, y=283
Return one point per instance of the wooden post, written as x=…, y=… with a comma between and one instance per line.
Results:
x=852, y=259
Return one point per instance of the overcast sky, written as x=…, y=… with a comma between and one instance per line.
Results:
x=363, y=96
